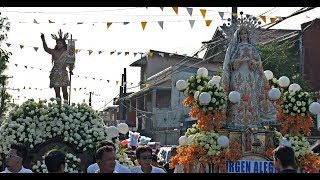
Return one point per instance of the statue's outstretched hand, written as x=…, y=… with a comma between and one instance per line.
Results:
x=42, y=36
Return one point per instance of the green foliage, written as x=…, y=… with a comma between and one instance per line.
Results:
x=283, y=60
x=4, y=60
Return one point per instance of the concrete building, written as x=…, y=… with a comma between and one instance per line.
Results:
x=157, y=108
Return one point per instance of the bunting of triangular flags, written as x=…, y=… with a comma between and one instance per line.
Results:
x=8, y=44
x=112, y=52
x=21, y=46
x=208, y=22
x=117, y=82
x=50, y=21
x=90, y=52
x=191, y=23
x=35, y=48
x=99, y=52
x=190, y=10
x=35, y=21
x=176, y=9
x=126, y=53
x=143, y=24
x=203, y=13
x=272, y=20
x=221, y=14
x=119, y=53
x=263, y=18
x=160, y=24
x=109, y=24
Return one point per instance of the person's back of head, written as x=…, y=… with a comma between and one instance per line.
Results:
x=22, y=150
x=55, y=161
x=285, y=155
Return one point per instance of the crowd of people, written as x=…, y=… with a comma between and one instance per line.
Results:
x=145, y=160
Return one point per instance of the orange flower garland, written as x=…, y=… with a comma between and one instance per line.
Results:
x=309, y=162
x=188, y=101
x=293, y=123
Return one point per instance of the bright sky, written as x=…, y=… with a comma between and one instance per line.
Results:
x=89, y=26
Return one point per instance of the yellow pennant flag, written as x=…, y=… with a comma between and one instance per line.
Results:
x=272, y=20
x=150, y=54
x=77, y=50
x=117, y=82
x=126, y=53
x=21, y=46
x=263, y=18
x=143, y=24
x=175, y=9
x=75, y=89
x=203, y=12
x=234, y=14
x=50, y=21
x=147, y=85
x=109, y=24
x=90, y=51
x=208, y=22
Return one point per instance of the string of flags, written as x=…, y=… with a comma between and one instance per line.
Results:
x=190, y=11
x=75, y=75
x=114, y=52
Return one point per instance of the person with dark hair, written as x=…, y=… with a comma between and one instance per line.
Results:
x=155, y=162
x=15, y=158
x=119, y=167
x=55, y=161
x=59, y=74
x=144, y=157
x=173, y=153
x=106, y=159
x=284, y=159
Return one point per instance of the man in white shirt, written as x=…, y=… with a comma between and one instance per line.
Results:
x=106, y=159
x=144, y=157
x=119, y=167
x=15, y=159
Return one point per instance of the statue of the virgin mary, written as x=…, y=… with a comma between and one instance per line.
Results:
x=243, y=72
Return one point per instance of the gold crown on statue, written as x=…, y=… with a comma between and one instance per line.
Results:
x=249, y=22
x=61, y=36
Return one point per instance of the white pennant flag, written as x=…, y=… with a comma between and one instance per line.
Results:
x=160, y=24
x=191, y=23
x=221, y=14
x=190, y=11
x=161, y=54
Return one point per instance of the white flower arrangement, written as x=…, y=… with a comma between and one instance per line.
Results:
x=195, y=83
x=218, y=98
x=300, y=145
x=274, y=83
x=72, y=165
x=208, y=140
x=35, y=122
x=296, y=103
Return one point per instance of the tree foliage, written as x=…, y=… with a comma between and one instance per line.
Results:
x=283, y=60
x=4, y=60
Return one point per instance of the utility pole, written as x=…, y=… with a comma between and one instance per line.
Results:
x=121, y=104
x=234, y=14
x=124, y=93
x=90, y=93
